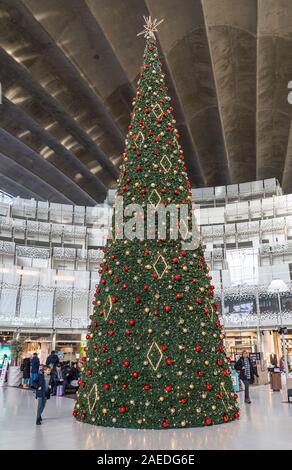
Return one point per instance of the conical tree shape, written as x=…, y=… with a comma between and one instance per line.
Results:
x=155, y=356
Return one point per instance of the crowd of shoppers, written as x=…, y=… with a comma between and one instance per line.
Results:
x=52, y=378
x=63, y=374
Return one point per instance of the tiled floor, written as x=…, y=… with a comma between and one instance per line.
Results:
x=265, y=424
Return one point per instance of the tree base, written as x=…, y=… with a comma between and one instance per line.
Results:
x=195, y=424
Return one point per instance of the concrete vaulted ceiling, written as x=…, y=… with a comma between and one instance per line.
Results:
x=68, y=70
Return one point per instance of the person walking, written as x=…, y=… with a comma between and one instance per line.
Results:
x=52, y=359
x=25, y=367
x=43, y=385
x=246, y=373
x=35, y=365
x=282, y=364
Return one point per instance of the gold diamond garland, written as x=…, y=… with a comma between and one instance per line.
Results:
x=160, y=259
x=95, y=398
x=108, y=307
x=157, y=199
x=139, y=136
x=155, y=346
x=165, y=163
x=157, y=111
x=210, y=307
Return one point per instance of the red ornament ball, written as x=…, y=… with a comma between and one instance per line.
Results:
x=89, y=372
x=165, y=424
x=198, y=348
x=168, y=388
x=135, y=374
x=132, y=322
x=126, y=363
x=122, y=409
x=208, y=421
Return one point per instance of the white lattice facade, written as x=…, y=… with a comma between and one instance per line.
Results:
x=49, y=256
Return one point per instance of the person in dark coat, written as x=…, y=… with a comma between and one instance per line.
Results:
x=43, y=386
x=58, y=378
x=246, y=373
x=25, y=367
x=52, y=360
x=35, y=365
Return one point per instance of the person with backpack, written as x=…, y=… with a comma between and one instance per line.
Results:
x=35, y=365
x=25, y=368
x=52, y=359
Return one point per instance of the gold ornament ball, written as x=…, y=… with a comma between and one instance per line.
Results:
x=139, y=421
x=161, y=398
x=127, y=253
x=183, y=423
x=192, y=386
x=132, y=402
x=147, y=310
x=202, y=289
x=203, y=396
x=185, y=268
x=191, y=308
x=78, y=406
x=203, y=333
x=214, y=407
x=114, y=420
x=104, y=410
x=206, y=363
x=98, y=302
x=148, y=266
x=172, y=410
x=150, y=331
x=198, y=410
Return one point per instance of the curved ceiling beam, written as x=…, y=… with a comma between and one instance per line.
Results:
x=78, y=33
x=56, y=110
x=185, y=46
x=25, y=178
x=29, y=159
x=42, y=41
x=274, y=73
x=12, y=187
x=231, y=34
x=19, y=116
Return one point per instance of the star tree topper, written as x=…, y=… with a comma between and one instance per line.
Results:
x=150, y=27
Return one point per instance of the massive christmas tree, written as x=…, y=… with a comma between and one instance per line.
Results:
x=154, y=355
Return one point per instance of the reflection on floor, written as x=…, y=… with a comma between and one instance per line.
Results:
x=265, y=424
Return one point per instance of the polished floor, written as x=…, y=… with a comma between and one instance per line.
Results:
x=265, y=424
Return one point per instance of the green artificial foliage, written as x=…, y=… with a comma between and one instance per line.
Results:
x=17, y=348
x=155, y=355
